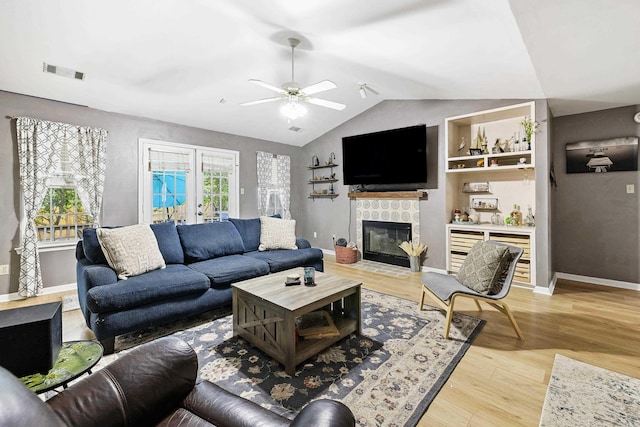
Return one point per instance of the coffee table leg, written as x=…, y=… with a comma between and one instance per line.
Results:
x=289, y=344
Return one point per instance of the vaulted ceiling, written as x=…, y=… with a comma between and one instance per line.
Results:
x=189, y=61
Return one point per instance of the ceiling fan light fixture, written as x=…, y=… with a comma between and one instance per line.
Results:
x=293, y=110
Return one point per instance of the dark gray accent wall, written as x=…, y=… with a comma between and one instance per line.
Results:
x=337, y=217
x=596, y=224
x=120, y=194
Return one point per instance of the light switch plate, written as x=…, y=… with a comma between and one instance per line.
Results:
x=4, y=269
x=631, y=189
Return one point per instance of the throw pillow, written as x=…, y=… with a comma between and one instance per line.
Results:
x=483, y=267
x=130, y=250
x=277, y=233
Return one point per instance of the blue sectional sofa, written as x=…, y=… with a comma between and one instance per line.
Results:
x=202, y=261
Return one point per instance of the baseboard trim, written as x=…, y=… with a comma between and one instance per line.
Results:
x=598, y=281
x=14, y=296
x=547, y=290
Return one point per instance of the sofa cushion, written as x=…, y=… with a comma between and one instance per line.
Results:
x=201, y=242
x=131, y=250
x=277, y=233
x=172, y=282
x=230, y=269
x=249, y=230
x=168, y=242
x=91, y=246
x=484, y=266
x=283, y=259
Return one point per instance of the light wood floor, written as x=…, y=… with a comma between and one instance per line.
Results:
x=502, y=381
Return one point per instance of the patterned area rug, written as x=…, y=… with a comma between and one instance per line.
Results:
x=387, y=376
x=381, y=268
x=580, y=394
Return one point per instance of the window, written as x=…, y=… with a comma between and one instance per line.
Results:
x=61, y=216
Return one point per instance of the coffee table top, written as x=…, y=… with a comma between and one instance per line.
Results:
x=75, y=358
x=272, y=288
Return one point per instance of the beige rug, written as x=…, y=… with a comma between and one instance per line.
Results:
x=583, y=395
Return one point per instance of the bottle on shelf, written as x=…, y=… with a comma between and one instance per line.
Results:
x=516, y=216
x=530, y=219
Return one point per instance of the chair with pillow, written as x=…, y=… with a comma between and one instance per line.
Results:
x=485, y=275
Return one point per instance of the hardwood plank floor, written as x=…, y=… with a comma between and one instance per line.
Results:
x=502, y=381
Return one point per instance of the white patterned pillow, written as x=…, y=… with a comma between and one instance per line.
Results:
x=130, y=250
x=276, y=233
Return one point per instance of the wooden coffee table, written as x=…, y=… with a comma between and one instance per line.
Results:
x=265, y=312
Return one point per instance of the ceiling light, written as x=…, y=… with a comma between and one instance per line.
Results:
x=293, y=109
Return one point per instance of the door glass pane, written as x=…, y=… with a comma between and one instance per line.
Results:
x=215, y=196
x=169, y=195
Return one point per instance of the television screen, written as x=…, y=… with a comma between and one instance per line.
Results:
x=397, y=156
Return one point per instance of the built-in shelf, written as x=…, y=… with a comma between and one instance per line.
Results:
x=388, y=195
x=323, y=196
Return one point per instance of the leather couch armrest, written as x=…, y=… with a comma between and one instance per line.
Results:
x=139, y=388
x=324, y=413
x=221, y=408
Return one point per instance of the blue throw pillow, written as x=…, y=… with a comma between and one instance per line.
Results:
x=91, y=246
x=168, y=242
x=205, y=241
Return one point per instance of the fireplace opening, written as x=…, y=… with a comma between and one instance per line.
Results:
x=381, y=241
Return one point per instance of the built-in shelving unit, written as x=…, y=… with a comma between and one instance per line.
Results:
x=489, y=182
x=317, y=179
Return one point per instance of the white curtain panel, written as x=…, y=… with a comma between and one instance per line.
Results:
x=263, y=167
x=284, y=183
x=47, y=149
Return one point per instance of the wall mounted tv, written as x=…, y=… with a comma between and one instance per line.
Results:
x=391, y=159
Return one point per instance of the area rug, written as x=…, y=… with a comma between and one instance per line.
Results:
x=381, y=268
x=580, y=394
x=387, y=376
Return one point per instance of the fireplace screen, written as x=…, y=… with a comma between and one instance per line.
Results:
x=381, y=241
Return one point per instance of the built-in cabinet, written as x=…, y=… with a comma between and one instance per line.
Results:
x=322, y=179
x=488, y=171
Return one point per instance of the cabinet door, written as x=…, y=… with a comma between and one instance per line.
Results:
x=460, y=242
x=523, y=268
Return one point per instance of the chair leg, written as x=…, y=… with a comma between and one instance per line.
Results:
x=512, y=319
x=421, y=300
x=447, y=320
x=477, y=304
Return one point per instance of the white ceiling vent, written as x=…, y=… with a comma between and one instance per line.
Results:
x=295, y=129
x=61, y=71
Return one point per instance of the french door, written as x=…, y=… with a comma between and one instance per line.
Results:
x=186, y=184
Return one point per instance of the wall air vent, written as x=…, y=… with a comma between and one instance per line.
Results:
x=295, y=129
x=61, y=71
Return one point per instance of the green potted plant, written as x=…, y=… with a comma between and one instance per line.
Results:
x=530, y=127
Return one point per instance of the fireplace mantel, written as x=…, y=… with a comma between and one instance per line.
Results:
x=420, y=194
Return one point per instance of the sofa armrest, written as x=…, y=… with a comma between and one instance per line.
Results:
x=324, y=413
x=302, y=243
x=221, y=408
x=89, y=275
x=139, y=388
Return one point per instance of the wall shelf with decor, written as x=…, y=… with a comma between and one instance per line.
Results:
x=322, y=180
x=487, y=173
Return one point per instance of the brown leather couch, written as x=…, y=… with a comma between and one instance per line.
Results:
x=154, y=384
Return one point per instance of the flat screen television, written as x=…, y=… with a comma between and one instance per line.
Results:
x=396, y=157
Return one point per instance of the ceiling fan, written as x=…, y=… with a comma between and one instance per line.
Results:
x=292, y=92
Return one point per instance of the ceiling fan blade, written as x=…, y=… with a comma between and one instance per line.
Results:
x=325, y=103
x=318, y=87
x=261, y=101
x=268, y=86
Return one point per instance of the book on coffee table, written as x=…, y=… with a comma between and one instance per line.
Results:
x=316, y=324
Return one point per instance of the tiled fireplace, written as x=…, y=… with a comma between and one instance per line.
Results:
x=403, y=222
